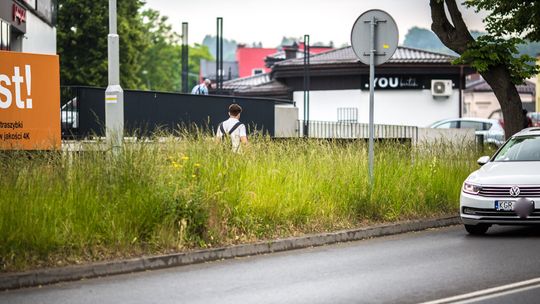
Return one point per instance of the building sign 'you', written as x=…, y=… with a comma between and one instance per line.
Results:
x=394, y=83
x=29, y=101
x=403, y=82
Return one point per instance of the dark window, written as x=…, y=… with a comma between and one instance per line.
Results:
x=476, y=125
x=257, y=71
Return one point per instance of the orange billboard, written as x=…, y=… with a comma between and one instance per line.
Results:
x=29, y=101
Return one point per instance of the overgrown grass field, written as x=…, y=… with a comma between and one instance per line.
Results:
x=60, y=208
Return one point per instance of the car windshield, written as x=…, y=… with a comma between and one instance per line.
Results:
x=523, y=148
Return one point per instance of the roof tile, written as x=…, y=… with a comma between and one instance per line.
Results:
x=346, y=55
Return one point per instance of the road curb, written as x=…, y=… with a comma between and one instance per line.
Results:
x=71, y=273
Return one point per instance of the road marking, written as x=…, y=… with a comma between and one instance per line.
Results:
x=490, y=292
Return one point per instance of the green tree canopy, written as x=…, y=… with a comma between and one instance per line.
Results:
x=511, y=17
x=150, y=51
x=495, y=54
x=161, y=66
x=82, y=31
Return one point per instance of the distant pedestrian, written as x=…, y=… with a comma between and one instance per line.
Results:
x=527, y=121
x=202, y=88
x=232, y=128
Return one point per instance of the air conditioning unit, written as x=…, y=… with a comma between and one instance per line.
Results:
x=441, y=88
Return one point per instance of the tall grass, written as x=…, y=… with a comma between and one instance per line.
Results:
x=163, y=195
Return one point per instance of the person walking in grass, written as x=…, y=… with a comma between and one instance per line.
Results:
x=233, y=128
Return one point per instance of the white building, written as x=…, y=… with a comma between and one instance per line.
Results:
x=480, y=101
x=28, y=26
x=414, y=87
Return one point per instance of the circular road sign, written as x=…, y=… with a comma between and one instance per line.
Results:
x=386, y=36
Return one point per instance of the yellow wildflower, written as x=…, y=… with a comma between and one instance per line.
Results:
x=185, y=157
x=197, y=165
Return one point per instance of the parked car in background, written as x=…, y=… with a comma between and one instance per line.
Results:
x=506, y=189
x=491, y=129
x=535, y=117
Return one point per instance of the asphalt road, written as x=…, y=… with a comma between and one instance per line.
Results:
x=406, y=268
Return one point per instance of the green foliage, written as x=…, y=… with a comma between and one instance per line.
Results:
x=61, y=207
x=150, y=53
x=511, y=17
x=196, y=54
x=82, y=42
x=488, y=51
x=161, y=66
x=508, y=24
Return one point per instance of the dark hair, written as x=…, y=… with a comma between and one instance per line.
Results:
x=235, y=109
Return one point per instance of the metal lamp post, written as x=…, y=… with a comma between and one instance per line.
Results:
x=114, y=95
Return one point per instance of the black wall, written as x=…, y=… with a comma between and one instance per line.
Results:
x=147, y=111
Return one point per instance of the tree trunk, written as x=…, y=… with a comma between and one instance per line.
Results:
x=498, y=78
x=456, y=36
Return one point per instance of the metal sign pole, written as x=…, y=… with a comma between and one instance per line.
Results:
x=379, y=41
x=114, y=95
x=372, y=54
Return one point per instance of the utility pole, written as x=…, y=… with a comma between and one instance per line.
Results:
x=306, y=85
x=219, y=55
x=114, y=95
x=185, y=58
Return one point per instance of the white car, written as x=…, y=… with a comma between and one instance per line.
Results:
x=491, y=129
x=506, y=189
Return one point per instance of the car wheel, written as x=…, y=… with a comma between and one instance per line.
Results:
x=479, y=229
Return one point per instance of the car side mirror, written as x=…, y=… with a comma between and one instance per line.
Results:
x=483, y=160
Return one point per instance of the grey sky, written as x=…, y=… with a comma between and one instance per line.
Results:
x=268, y=21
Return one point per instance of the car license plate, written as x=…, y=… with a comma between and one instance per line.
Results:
x=504, y=205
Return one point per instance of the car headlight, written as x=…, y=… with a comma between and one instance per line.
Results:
x=471, y=188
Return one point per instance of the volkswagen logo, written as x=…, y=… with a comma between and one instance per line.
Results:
x=514, y=191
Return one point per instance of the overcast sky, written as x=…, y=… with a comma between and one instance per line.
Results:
x=250, y=21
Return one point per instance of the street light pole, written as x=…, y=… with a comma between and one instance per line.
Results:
x=114, y=95
x=185, y=58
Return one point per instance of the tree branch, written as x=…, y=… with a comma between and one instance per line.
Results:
x=457, y=36
x=457, y=19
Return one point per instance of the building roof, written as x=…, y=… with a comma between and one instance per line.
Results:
x=267, y=82
x=258, y=83
x=481, y=85
x=244, y=82
x=346, y=55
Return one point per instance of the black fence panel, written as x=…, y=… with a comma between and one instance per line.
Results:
x=146, y=111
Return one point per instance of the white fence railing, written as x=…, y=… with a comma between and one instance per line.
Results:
x=351, y=130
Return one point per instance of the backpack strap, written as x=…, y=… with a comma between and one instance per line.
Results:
x=238, y=124
x=222, y=129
